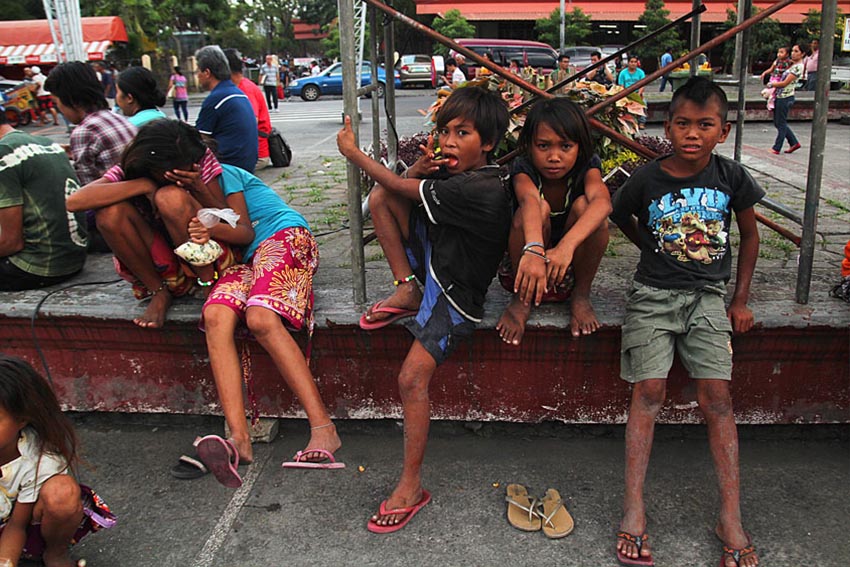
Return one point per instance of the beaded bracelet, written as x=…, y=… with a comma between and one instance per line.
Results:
x=531, y=245
x=202, y=283
x=538, y=254
x=409, y=278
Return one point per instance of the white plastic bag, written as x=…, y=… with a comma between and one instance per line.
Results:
x=211, y=217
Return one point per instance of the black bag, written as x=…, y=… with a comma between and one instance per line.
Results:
x=279, y=151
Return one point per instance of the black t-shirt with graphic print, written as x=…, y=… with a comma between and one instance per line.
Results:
x=683, y=223
x=469, y=217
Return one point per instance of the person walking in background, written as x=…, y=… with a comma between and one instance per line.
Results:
x=666, y=59
x=107, y=79
x=269, y=78
x=785, y=89
x=179, y=93
x=45, y=103
x=255, y=96
x=226, y=114
x=138, y=96
x=811, y=66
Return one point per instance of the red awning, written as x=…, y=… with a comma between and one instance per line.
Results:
x=608, y=11
x=29, y=41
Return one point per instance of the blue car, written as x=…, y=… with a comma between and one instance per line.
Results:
x=329, y=82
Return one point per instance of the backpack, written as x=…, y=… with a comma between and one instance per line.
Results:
x=279, y=151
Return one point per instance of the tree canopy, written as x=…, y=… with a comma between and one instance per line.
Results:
x=656, y=16
x=452, y=25
x=577, y=28
x=810, y=28
x=764, y=39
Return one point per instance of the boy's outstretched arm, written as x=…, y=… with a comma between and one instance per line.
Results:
x=739, y=314
x=348, y=147
x=102, y=193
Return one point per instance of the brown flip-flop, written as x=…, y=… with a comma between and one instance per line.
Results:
x=522, y=510
x=556, y=520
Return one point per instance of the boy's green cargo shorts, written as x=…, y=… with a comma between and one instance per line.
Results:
x=692, y=322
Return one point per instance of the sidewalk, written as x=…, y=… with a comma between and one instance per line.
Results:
x=794, y=497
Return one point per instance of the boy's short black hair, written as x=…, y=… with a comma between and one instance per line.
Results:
x=76, y=85
x=563, y=56
x=486, y=109
x=699, y=90
x=451, y=61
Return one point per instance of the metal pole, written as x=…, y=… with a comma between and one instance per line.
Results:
x=695, y=33
x=563, y=24
x=389, y=92
x=374, y=45
x=350, y=84
x=743, y=56
x=813, y=181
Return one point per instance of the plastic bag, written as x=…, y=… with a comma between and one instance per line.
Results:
x=211, y=217
x=199, y=254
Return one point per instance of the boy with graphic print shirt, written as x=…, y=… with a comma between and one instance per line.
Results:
x=683, y=205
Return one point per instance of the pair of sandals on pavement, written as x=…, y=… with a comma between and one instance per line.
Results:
x=219, y=456
x=646, y=561
x=531, y=514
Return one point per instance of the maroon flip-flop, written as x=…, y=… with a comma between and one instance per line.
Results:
x=220, y=457
x=396, y=313
x=409, y=512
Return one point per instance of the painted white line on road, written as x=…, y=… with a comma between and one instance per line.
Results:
x=323, y=142
x=222, y=528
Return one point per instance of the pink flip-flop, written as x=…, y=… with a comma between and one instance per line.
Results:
x=396, y=313
x=220, y=457
x=299, y=461
x=409, y=512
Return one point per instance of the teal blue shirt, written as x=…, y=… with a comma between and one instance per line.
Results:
x=145, y=116
x=268, y=211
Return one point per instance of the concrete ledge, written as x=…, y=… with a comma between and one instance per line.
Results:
x=793, y=368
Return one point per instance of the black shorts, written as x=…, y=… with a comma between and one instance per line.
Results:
x=12, y=278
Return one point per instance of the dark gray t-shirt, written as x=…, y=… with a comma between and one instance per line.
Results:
x=683, y=223
x=469, y=218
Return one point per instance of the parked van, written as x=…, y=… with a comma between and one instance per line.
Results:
x=503, y=51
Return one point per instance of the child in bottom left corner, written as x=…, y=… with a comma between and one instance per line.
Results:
x=43, y=509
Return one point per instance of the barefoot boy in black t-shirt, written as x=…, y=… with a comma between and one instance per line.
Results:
x=448, y=234
x=683, y=206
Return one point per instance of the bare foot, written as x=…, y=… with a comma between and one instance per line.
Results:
x=154, y=315
x=737, y=540
x=59, y=558
x=407, y=296
x=511, y=325
x=321, y=438
x=634, y=524
x=244, y=448
x=400, y=498
x=582, y=316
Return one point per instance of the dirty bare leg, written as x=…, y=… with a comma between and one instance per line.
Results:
x=414, y=379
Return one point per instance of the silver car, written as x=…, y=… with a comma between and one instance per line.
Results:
x=414, y=70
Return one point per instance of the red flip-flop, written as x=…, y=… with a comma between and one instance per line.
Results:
x=220, y=457
x=299, y=461
x=409, y=512
x=396, y=313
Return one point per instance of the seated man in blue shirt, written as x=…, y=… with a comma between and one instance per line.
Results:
x=226, y=114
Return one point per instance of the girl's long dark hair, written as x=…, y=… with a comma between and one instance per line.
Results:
x=162, y=145
x=27, y=396
x=567, y=119
x=141, y=83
